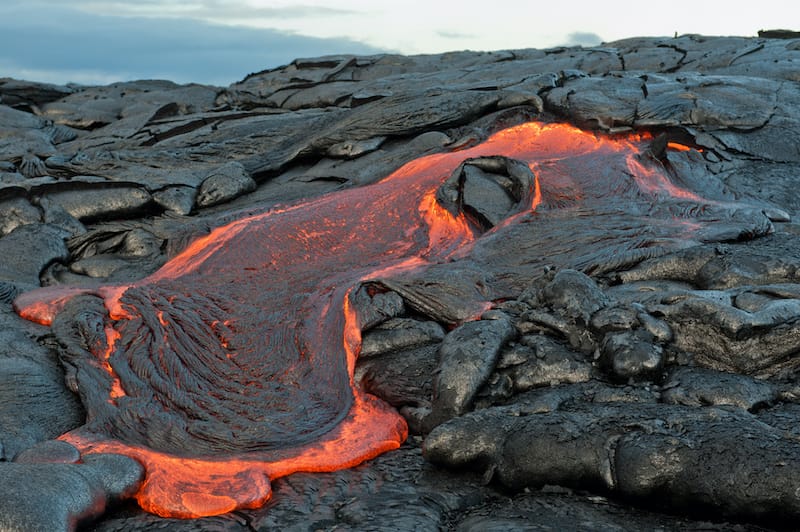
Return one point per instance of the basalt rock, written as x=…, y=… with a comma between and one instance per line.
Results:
x=34, y=404
x=467, y=356
x=223, y=184
x=28, y=249
x=16, y=212
x=647, y=452
x=400, y=334
x=703, y=387
x=92, y=486
x=540, y=361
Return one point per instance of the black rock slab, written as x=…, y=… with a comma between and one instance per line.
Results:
x=445, y=294
x=703, y=387
x=400, y=334
x=555, y=508
x=402, y=379
x=34, y=404
x=223, y=184
x=539, y=361
x=177, y=199
x=664, y=455
x=15, y=212
x=26, y=94
x=49, y=452
x=62, y=496
x=28, y=249
x=91, y=199
x=488, y=190
x=467, y=356
x=632, y=355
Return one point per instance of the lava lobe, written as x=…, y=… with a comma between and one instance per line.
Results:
x=233, y=364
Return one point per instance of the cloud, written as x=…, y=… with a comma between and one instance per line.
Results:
x=208, y=10
x=583, y=38
x=64, y=44
x=454, y=35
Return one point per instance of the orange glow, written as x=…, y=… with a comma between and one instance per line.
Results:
x=654, y=182
x=352, y=336
x=677, y=146
x=268, y=299
x=42, y=305
x=196, y=487
x=536, y=200
x=112, y=335
x=444, y=230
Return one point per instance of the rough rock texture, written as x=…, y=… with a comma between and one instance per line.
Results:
x=640, y=356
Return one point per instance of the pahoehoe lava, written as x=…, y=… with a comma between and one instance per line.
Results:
x=233, y=363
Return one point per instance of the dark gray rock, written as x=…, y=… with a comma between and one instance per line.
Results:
x=177, y=199
x=598, y=103
x=540, y=361
x=555, y=508
x=488, y=190
x=49, y=451
x=703, y=387
x=448, y=295
x=54, y=213
x=402, y=379
x=27, y=491
x=351, y=150
x=31, y=165
x=90, y=202
x=726, y=338
x=632, y=355
x=20, y=93
x=28, y=249
x=15, y=212
x=783, y=416
x=565, y=303
x=374, y=496
x=400, y=334
x=374, y=306
x=467, y=356
x=572, y=294
x=223, y=184
x=35, y=405
x=90, y=108
x=615, y=318
x=646, y=452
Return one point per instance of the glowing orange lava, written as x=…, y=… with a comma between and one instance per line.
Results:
x=202, y=351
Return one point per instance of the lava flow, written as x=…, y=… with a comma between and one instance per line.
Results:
x=233, y=364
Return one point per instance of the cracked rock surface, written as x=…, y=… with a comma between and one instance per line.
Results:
x=649, y=385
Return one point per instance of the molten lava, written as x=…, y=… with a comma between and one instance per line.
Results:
x=233, y=364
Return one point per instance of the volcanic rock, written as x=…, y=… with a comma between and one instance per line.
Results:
x=224, y=184
x=89, y=487
x=42, y=244
x=704, y=387
x=17, y=212
x=34, y=404
x=540, y=361
x=467, y=357
x=628, y=449
x=632, y=355
x=400, y=334
x=49, y=452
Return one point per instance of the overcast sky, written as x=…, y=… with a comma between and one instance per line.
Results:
x=221, y=41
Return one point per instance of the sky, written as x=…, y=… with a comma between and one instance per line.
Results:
x=219, y=42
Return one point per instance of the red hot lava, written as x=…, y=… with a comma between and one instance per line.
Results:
x=233, y=364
